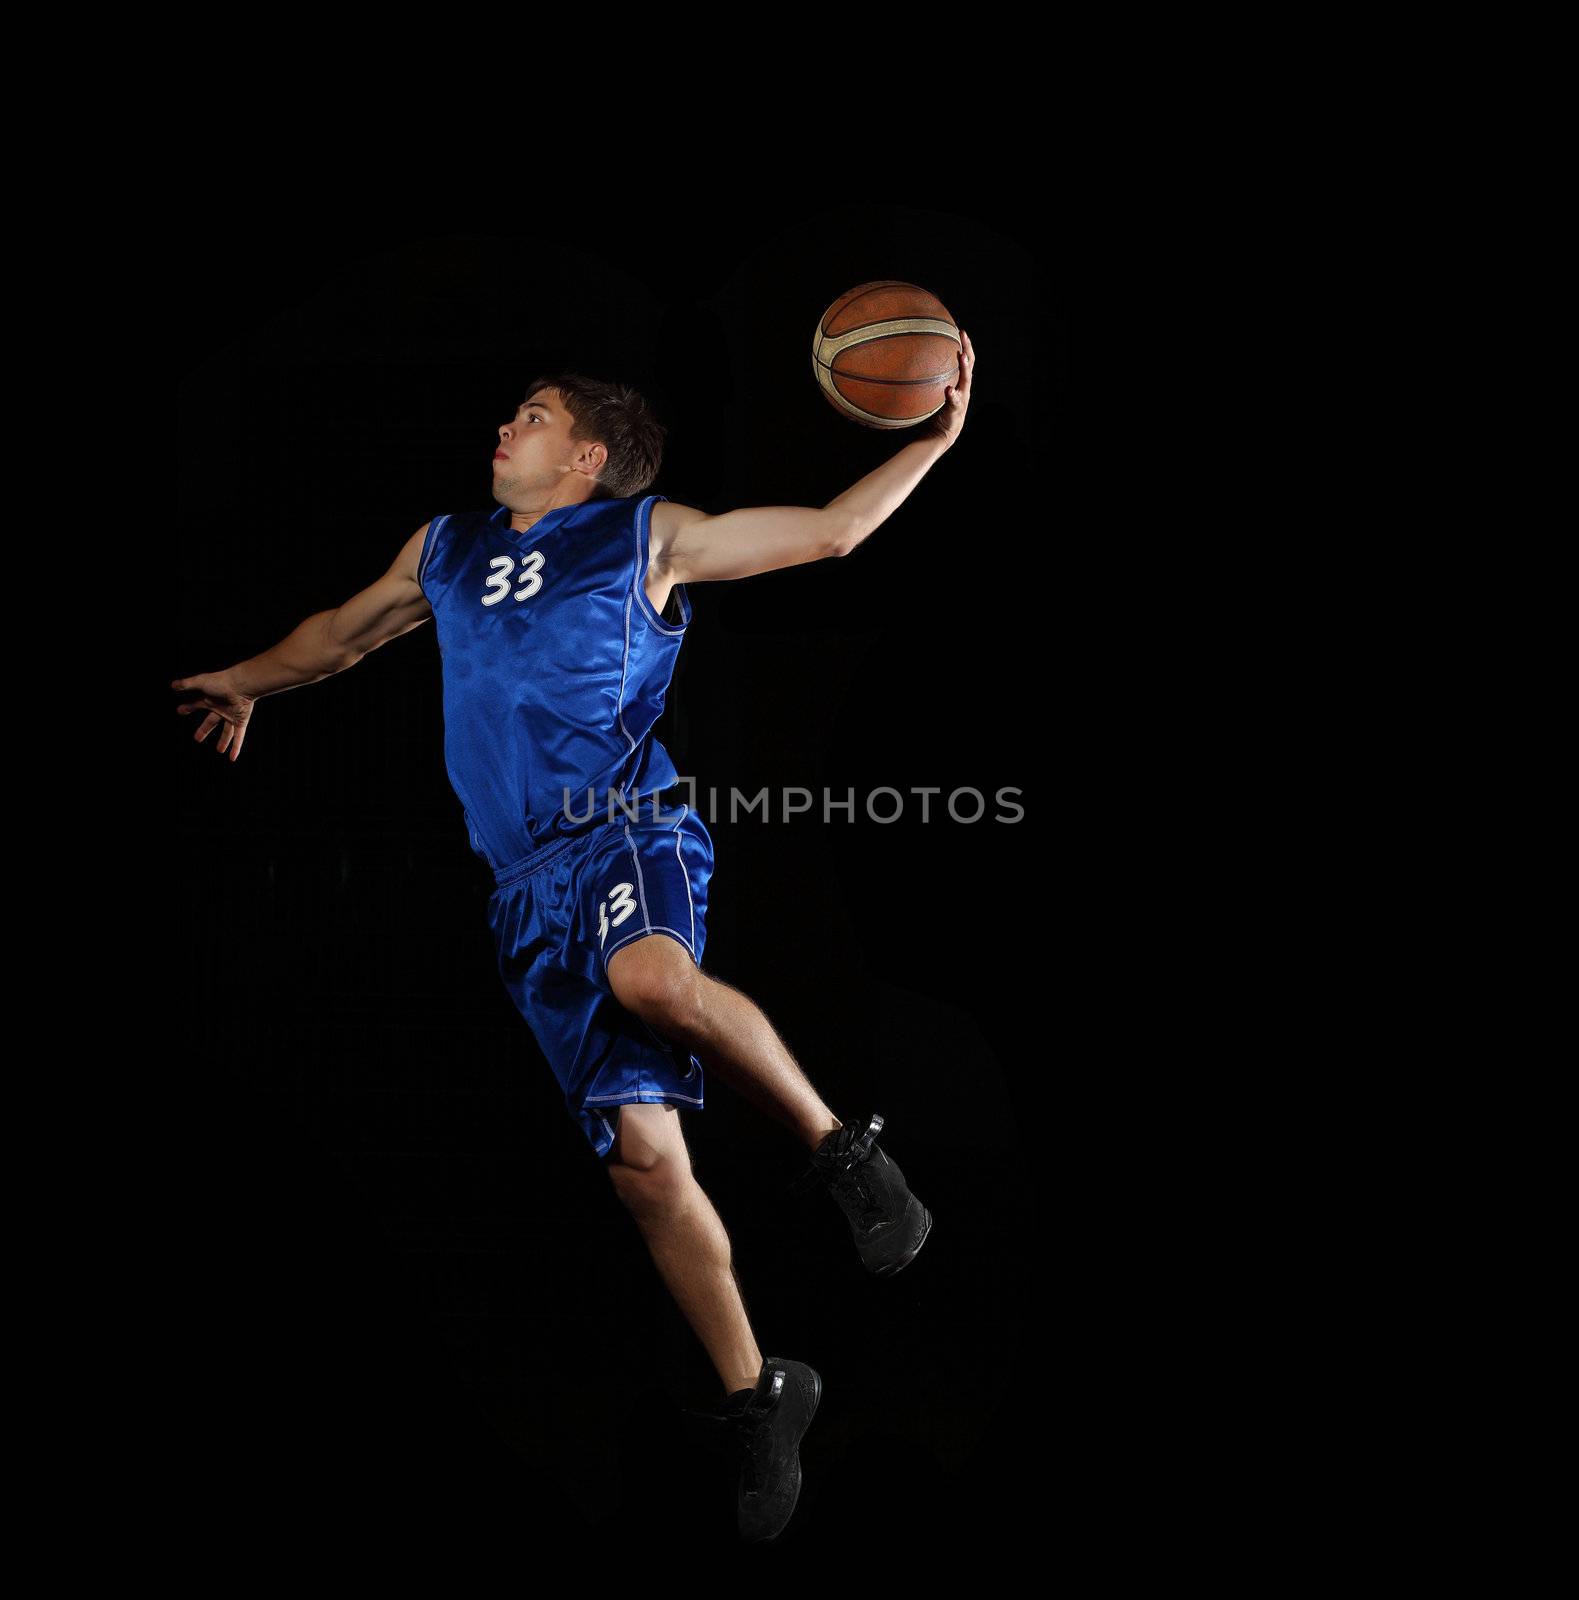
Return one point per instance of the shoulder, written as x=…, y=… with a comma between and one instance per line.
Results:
x=409, y=558
x=427, y=546
x=447, y=525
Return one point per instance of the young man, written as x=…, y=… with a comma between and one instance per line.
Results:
x=559, y=616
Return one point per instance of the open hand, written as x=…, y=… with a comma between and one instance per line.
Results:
x=945, y=425
x=224, y=705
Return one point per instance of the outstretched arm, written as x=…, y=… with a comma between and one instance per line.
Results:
x=688, y=546
x=327, y=642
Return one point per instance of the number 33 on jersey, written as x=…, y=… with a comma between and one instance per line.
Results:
x=555, y=667
x=499, y=579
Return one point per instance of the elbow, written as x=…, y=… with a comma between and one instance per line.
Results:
x=843, y=537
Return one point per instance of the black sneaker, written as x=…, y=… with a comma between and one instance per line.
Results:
x=888, y=1222
x=766, y=1434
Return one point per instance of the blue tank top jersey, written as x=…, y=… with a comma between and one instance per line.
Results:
x=555, y=669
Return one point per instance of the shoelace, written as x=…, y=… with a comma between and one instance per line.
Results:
x=854, y=1188
x=752, y=1441
x=844, y=1170
x=753, y=1437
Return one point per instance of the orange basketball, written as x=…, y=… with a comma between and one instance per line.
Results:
x=883, y=354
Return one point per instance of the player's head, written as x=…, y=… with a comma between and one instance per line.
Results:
x=604, y=431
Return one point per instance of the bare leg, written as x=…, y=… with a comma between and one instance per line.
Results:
x=651, y=1171
x=725, y=1029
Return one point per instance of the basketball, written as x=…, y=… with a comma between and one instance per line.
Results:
x=884, y=353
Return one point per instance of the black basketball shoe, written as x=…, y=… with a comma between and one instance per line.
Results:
x=889, y=1223
x=764, y=1435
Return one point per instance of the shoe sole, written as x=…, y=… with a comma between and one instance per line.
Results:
x=911, y=1254
x=816, y=1399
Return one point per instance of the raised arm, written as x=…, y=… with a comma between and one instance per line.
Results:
x=688, y=546
x=326, y=642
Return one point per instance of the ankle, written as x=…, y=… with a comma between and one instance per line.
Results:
x=741, y=1378
x=820, y=1130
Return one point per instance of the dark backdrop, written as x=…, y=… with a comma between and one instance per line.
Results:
x=409, y=1309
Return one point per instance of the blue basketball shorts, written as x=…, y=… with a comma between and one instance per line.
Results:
x=560, y=913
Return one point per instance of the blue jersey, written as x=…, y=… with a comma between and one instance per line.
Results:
x=555, y=669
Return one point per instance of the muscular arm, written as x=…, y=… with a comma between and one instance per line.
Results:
x=688, y=546
x=330, y=641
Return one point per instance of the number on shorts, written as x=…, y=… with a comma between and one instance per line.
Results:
x=622, y=904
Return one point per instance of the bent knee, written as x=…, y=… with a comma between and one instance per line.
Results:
x=661, y=992
x=649, y=1164
x=658, y=1185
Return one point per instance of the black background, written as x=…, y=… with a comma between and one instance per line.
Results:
x=408, y=1313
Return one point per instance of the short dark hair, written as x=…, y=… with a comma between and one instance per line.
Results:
x=617, y=417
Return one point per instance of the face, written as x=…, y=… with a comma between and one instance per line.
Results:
x=536, y=452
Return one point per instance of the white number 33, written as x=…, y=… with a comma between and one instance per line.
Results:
x=499, y=582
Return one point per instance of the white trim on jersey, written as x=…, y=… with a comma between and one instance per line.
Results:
x=619, y=705
x=685, y=877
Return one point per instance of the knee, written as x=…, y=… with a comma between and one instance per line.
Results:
x=664, y=995
x=658, y=1185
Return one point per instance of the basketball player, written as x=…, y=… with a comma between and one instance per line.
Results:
x=559, y=615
